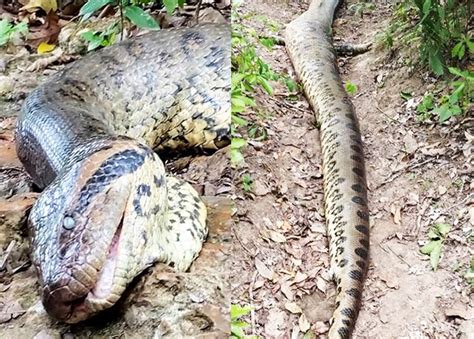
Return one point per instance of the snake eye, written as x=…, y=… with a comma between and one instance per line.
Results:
x=68, y=223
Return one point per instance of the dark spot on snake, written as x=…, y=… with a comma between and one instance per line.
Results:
x=356, y=148
x=348, y=312
x=339, y=289
x=338, y=233
x=356, y=275
x=364, y=243
x=361, y=253
x=363, y=216
x=158, y=180
x=138, y=207
x=355, y=138
x=358, y=200
x=338, y=209
x=344, y=332
x=362, y=229
x=343, y=263
x=144, y=189
x=353, y=292
x=356, y=158
x=352, y=127
x=357, y=188
x=358, y=171
x=346, y=322
x=340, y=240
x=361, y=264
x=339, y=250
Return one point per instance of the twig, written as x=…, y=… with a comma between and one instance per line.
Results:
x=198, y=9
x=396, y=254
x=121, y=20
x=287, y=104
x=252, y=310
x=402, y=170
x=7, y=254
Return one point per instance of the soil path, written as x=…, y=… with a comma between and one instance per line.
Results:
x=418, y=175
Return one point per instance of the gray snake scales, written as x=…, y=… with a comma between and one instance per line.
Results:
x=88, y=135
x=309, y=44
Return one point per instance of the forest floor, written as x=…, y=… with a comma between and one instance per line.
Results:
x=161, y=302
x=419, y=175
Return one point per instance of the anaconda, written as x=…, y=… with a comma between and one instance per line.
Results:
x=309, y=44
x=88, y=136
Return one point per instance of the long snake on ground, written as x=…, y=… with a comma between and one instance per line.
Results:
x=309, y=44
x=88, y=136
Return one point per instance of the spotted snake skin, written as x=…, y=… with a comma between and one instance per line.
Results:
x=87, y=137
x=309, y=44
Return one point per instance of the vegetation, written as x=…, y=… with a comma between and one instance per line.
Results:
x=9, y=30
x=439, y=30
x=437, y=236
x=238, y=325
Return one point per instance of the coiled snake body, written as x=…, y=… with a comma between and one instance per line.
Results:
x=87, y=136
x=309, y=44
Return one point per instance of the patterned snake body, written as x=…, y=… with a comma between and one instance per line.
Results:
x=309, y=44
x=87, y=136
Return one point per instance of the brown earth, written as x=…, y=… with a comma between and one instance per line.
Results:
x=418, y=175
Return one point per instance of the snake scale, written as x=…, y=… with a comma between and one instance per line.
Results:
x=87, y=137
x=309, y=44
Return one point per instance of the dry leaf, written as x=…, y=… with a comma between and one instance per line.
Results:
x=442, y=190
x=300, y=277
x=320, y=327
x=293, y=308
x=48, y=32
x=303, y=323
x=277, y=236
x=258, y=284
x=321, y=284
x=46, y=5
x=471, y=215
x=44, y=47
x=286, y=290
x=263, y=270
x=396, y=212
x=410, y=143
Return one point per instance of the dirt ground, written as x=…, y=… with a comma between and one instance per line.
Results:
x=418, y=175
x=161, y=302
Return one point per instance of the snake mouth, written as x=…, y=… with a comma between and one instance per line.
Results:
x=64, y=304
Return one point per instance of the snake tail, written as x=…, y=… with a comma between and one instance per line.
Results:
x=309, y=44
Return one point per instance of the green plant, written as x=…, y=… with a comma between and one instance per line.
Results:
x=454, y=102
x=247, y=182
x=437, y=236
x=97, y=39
x=236, y=146
x=361, y=7
x=438, y=29
x=351, y=88
x=131, y=9
x=9, y=30
x=237, y=325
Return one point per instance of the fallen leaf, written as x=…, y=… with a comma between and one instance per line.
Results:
x=396, y=212
x=263, y=270
x=321, y=284
x=320, y=327
x=44, y=48
x=258, y=284
x=300, y=277
x=410, y=143
x=286, y=290
x=471, y=215
x=277, y=236
x=46, y=5
x=48, y=32
x=293, y=308
x=442, y=190
x=303, y=323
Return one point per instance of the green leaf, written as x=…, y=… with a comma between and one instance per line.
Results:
x=443, y=229
x=470, y=45
x=436, y=64
x=430, y=246
x=456, y=48
x=266, y=85
x=350, y=87
x=239, y=121
x=443, y=112
x=435, y=256
x=170, y=5
x=237, y=311
x=405, y=95
x=237, y=143
x=91, y=6
x=236, y=157
x=140, y=18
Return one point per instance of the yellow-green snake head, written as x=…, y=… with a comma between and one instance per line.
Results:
x=101, y=222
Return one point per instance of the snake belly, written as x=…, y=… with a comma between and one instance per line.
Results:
x=309, y=44
x=88, y=137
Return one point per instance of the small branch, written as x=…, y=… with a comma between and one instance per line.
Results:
x=198, y=9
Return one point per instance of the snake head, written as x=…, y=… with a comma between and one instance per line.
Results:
x=89, y=229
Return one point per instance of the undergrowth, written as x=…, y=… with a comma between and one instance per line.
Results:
x=249, y=73
x=435, y=35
